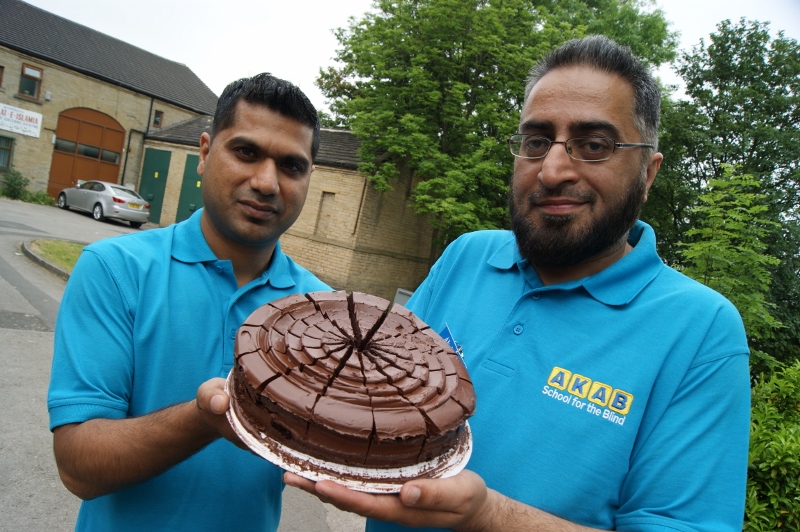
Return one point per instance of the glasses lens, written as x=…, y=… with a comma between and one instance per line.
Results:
x=590, y=148
x=530, y=146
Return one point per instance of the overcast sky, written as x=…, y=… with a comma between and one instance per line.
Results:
x=225, y=40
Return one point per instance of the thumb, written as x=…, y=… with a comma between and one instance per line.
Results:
x=211, y=397
x=219, y=403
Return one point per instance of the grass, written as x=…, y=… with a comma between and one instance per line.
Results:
x=62, y=254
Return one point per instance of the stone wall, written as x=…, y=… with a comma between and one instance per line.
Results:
x=354, y=237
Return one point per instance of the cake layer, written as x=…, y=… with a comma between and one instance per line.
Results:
x=349, y=380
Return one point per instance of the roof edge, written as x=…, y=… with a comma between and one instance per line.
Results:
x=103, y=78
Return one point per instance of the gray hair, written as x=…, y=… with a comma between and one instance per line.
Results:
x=602, y=53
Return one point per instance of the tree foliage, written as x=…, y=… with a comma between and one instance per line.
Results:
x=433, y=88
x=773, y=477
x=742, y=109
x=728, y=253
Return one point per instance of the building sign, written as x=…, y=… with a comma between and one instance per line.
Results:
x=20, y=121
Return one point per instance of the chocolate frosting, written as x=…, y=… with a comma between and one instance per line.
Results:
x=351, y=379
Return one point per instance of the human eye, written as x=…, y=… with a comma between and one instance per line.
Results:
x=245, y=152
x=535, y=146
x=293, y=166
x=593, y=147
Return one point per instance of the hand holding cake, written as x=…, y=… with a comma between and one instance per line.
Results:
x=212, y=403
x=457, y=503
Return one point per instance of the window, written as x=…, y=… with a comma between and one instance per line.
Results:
x=109, y=156
x=88, y=151
x=158, y=118
x=2, y=69
x=66, y=145
x=30, y=82
x=5, y=153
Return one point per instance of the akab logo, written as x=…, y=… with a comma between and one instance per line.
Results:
x=603, y=400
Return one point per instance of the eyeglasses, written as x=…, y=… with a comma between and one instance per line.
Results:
x=591, y=149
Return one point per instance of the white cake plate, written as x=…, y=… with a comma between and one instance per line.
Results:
x=372, y=480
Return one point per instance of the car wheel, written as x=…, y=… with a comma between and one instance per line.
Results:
x=97, y=213
x=136, y=225
x=62, y=201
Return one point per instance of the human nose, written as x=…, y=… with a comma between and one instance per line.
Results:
x=265, y=178
x=557, y=166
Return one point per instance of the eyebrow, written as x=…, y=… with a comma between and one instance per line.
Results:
x=575, y=128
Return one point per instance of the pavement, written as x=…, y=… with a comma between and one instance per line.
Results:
x=32, y=497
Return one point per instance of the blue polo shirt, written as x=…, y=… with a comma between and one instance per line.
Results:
x=144, y=320
x=617, y=401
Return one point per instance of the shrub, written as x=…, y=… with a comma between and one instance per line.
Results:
x=39, y=197
x=14, y=185
x=773, y=479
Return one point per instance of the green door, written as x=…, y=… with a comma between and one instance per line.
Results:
x=191, y=190
x=154, y=180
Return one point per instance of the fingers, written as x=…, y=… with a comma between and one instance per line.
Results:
x=457, y=494
x=296, y=481
x=211, y=397
x=212, y=404
x=446, y=503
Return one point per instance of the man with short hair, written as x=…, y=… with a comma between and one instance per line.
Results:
x=612, y=391
x=145, y=333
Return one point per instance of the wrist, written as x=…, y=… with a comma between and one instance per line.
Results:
x=482, y=517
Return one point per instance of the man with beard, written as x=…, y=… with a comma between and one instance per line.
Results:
x=145, y=333
x=613, y=392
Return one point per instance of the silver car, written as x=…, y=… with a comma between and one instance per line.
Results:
x=106, y=200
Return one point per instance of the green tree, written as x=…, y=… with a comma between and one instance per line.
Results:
x=746, y=87
x=728, y=253
x=433, y=88
x=742, y=108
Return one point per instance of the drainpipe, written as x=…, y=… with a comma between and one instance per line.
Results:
x=128, y=150
x=143, y=133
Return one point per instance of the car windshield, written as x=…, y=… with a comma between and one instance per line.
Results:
x=125, y=193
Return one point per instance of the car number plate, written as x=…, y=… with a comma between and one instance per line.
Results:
x=135, y=205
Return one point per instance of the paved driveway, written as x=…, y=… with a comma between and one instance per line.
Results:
x=32, y=497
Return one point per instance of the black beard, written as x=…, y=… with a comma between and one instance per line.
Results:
x=555, y=245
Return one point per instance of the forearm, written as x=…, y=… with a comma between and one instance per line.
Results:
x=503, y=513
x=101, y=456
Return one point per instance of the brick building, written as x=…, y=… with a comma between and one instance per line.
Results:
x=76, y=104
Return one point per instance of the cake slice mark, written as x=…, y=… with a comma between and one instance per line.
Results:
x=364, y=344
x=431, y=429
x=330, y=319
x=363, y=371
x=429, y=425
x=338, y=369
x=351, y=310
x=397, y=359
x=373, y=436
x=372, y=358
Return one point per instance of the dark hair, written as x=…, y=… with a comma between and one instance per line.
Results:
x=600, y=52
x=269, y=91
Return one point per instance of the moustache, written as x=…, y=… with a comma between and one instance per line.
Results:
x=543, y=194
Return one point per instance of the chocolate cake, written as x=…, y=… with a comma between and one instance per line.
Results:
x=349, y=379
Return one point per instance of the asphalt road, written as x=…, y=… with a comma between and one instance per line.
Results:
x=32, y=497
